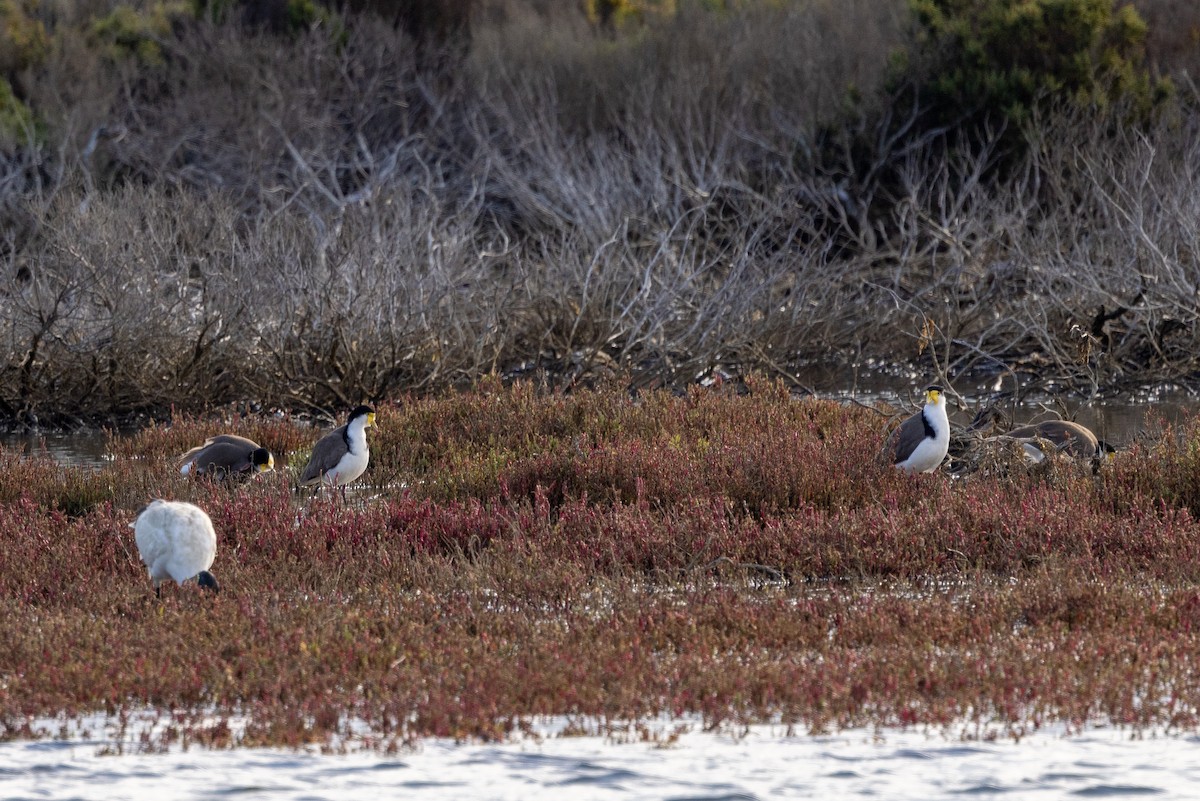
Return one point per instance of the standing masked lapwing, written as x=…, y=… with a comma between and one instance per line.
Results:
x=920, y=443
x=177, y=541
x=341, y=456
x=226, y=455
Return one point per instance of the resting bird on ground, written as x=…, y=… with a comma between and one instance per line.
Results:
x=341, y=456
x=226, y=455
x=1070, y=438
x=1061, y=436
x=920, y=443
x=176, y=540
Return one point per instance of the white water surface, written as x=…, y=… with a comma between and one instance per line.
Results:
x=762, y=762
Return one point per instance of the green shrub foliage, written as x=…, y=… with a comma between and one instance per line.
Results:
x=128, y=34
x=23, y=39
x=999, y=60
x=17, y=123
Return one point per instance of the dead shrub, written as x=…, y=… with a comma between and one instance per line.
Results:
x=315, y=220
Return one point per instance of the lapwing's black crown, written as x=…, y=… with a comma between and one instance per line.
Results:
x=360, y=411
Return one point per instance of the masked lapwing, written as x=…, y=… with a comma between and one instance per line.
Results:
x=920, y=443
x=341, y=456
x=1039, y=440
x=226, y=455
x=1069, y=438
x=177, y=541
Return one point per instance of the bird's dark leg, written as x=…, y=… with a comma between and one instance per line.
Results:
x=158, y=591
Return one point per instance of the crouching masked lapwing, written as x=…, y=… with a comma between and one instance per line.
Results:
x=920, y=443
x=1063, y=436
x=1070, y=438
x=225, y=456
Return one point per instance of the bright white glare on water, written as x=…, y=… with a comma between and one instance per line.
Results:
x=762, y=762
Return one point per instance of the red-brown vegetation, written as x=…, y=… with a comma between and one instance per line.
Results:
x=514, y=554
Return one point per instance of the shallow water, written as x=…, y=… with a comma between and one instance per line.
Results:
x=1119, y=420
x=78, y=448
x=763, y=763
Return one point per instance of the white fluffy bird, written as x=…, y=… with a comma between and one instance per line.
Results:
x=177, y=541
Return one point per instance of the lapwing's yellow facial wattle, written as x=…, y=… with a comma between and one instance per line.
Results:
x=270, y=465
x=371, y=419
x=932, y=396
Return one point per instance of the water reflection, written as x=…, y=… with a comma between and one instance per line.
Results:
x=86, y=448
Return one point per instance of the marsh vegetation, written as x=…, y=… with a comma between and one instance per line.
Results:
x=512, y=554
